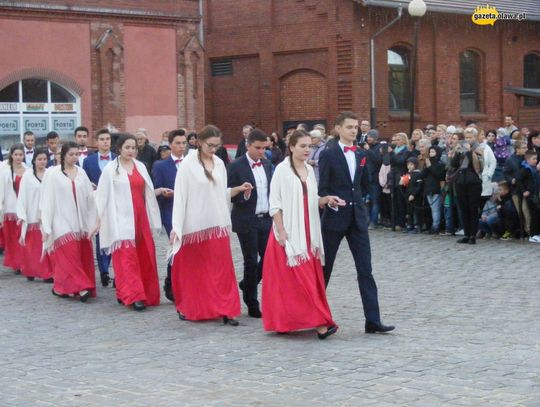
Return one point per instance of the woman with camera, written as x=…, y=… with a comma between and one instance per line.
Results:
x=467, y=161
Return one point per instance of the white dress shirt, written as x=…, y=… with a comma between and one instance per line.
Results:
x=174, y=158
x=261, y=183
x=82, y=156
x=28, y=156
x=351, y=159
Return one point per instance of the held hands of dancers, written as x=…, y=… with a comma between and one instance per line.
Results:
x=332, y=201
x=165, y=192
x=246, y=188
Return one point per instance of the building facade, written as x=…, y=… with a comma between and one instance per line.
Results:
x=274, y=63
x=118, y=63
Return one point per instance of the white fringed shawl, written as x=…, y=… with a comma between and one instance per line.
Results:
x=286, y=195
x=28, y=203
x=115, y=206
x=62, y=219
x=8, y=197
x=201, y=208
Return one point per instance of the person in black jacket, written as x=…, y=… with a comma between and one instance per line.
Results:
x=374, y=162
x=433, y=175
x=398, y=154
x=146, y=153
x=513, y=163
x=413, y=185
x=528, y=187
x=242, y=145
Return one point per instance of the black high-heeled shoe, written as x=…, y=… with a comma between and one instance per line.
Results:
x=330, y=331
x=84, y=295
x=181, y=316
x=59, y=295
x=138, y=306
x=230, y=321
x=30, y=278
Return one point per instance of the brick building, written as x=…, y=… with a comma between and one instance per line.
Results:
x=67, y=63
x=278, y=62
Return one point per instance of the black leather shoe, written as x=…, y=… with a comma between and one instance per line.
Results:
x=230, y=321
x=30, y=278
x=372, y=327
x=84, y=295
x=138, y=306
x=241, y=285
x=59, y=295
x=181, y=316
x=168, y=292
x=49, y=280
x=464, y=240
x=331, y=331
x=472, y=240
x=254, y=312
x=105, y=279
x=17, y=271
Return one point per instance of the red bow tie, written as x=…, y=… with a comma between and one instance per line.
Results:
x=103, y=157
x=30, y=152
x=259, y=164
x=353, y=149
x=178, y=161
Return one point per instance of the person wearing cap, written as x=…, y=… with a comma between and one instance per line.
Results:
x=317, y=146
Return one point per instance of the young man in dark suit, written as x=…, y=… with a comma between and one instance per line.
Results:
x=343, y=172
x=163, y=175
x=93, y=165
x=52, y=141
x=250, y=218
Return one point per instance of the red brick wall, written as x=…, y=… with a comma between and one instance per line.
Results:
x=303, y=94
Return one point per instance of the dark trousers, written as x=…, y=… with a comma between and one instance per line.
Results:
x=469, y=201
x=358, y=241
x=168, y=227
x=253, y=244
x=399, y=206
x=103, y=260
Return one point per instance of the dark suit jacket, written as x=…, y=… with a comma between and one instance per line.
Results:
x=163, y=175
x=241, y=149
x=334, y=179
x=243, y=212
x=91, y=167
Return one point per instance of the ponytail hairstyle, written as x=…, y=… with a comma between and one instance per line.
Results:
x=38, y=152
x=293, y=141
x=206, y=133
x=68, y=145
x=119, y=143
x=13, y=148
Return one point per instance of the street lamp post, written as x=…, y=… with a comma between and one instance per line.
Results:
x=417, y=9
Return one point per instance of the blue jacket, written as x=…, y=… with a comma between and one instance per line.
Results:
x=91, y=167
x=334, y=179
x=163, y=176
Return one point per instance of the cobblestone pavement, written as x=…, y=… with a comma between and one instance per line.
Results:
x=467, y=334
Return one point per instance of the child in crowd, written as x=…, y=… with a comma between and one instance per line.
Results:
x=413, y=187
x=489, y=224
x=528, y=187
x=507, y=212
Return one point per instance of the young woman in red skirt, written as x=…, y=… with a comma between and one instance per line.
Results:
x=35, y=265
x=68, y=221
x=293, y=294
x=10, y=180
x=203, y=278
x=128, y=211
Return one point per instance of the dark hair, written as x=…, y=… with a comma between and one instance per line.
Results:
x=51, y=135
x=532, y=134
x=504, y=184
x=293, y=140
x=80, y=128
x=68, y=145
x=256, y=135
x=492, y=131
x=469, y=122
x=176, y=133
x=344, y=116
x=206, y=133
x=13, y=148
x=119, y=143
x=191, y=135
x=38, y=152
x=529, y=154
x=28, y=133
x=102, y=131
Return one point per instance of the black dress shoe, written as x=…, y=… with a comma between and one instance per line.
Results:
x=59, y=295
x=119, y=301
x=168, y=292
x=17, y=271
x=105, y=279
x=472, y=240
x=241, y=285
x=230, y=321
x=464, y=240
x=372, y=327
x=30, y=278
x=84, y=295
x=254, y=312
x=138, y=306
x=331, y=331
x=181, y=316
x=49, y=280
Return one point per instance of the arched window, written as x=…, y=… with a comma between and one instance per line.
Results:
x=469, y=81
x=37, y=105
x=531, y=76
x=399, y=78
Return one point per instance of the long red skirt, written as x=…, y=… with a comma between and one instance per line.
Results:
x=293, y=298
x=203, y=280
x=13, y=251
x=35, y=265
x=73, y=267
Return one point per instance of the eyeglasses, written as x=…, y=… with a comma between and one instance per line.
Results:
x=213, y=146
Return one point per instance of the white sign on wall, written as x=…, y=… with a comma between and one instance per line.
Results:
x=64, y=124
x=36, y=124
x=9, y=125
